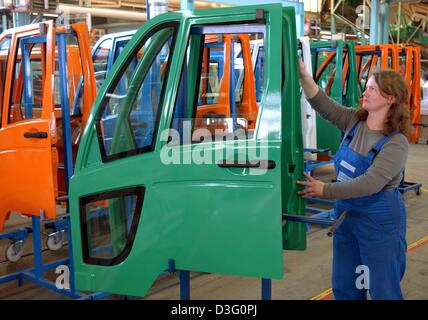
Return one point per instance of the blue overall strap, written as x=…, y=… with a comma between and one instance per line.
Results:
x=348, y=138
x=375, y=150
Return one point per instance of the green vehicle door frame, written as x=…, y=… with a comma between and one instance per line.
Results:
x=140, y=73
x=353, y=91
x=328, y=136
x=292, y=140
x=90, y=177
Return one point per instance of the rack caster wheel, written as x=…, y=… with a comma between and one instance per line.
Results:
x=14, y=251
x=56, y=240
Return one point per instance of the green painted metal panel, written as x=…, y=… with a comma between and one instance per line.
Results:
x=328, y=136
x=204, y=217
x=195, y=44
x=353, y=92
x=294, y=233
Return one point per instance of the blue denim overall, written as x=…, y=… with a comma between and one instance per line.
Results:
x=372, y=235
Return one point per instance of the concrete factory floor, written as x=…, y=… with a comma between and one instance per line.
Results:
x=307, y=273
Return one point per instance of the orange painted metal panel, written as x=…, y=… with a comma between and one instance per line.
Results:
x=408, y=64
x=26, y=163
x=324, y=64
x=89, y=92
x=413, y=79
x=248, y=107
x=26, y=171
x=29, y=167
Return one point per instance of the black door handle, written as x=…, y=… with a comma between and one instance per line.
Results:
x=259, y=164
x=37, y=135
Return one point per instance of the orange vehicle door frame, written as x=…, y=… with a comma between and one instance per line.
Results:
x=390, y=54
x=27, y=155
x=412, y=75
x=79, y=67
x=249, y=105
x=90, y=90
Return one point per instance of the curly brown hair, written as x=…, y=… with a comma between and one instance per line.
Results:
x=391, y=83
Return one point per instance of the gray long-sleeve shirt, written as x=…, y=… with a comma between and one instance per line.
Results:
x=387, y=168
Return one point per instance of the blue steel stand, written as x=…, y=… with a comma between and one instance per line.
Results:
x=16, y=237
x=68, y=153
x=309, y=166
x=266, y=284
x=185, y=283
x=406, y=186
x=36, y=274
x=266, y=289
x=320, y=213
x=184, y=280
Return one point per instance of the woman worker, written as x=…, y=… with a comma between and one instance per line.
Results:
x=369, y=166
